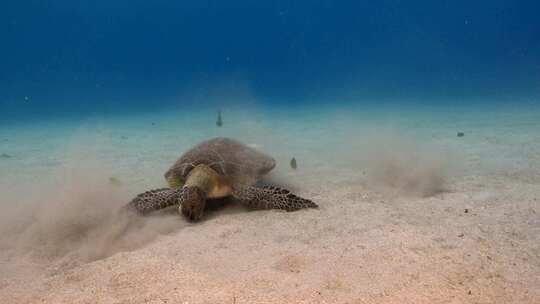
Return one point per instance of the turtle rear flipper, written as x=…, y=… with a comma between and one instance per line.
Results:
x=270, y=197
x=156, y=199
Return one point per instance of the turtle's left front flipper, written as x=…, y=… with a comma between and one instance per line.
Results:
x=153, y=200
x=270, y=197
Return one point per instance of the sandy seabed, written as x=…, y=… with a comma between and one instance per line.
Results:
x=409, y=212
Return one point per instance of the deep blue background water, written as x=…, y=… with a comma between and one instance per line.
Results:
x=102, y=55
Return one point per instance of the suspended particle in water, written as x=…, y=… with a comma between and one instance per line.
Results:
x=115, y=181
x=293, y=163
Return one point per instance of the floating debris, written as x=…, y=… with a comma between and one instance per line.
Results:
x=5, y=155
x=460, y=134
x=115, y=181
x=219, y=121
x=293, y=163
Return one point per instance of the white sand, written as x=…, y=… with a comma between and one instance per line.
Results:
x=409, y=213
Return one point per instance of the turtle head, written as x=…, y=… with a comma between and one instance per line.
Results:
x=192, y=202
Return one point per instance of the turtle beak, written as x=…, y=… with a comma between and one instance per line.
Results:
x=193, y=211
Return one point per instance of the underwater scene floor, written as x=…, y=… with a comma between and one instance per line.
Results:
x=416, y=205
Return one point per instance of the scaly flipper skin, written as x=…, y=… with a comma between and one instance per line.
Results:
x=156, y=199
x=270, y=197
x=191, y=200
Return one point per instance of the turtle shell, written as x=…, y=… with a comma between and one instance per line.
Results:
x=230, y=158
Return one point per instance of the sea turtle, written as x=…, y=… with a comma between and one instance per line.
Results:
x=217, y=168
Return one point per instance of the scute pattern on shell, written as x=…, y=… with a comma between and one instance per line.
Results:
x=228, y=157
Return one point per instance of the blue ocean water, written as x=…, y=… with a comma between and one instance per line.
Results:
x=78, y=58
x=414, y=125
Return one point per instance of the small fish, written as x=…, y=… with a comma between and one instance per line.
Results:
x=5, y=155
x=219, y=121
x=293, y=163
x=460, y=134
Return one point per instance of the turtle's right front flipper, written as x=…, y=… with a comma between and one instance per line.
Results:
x=270, y=197
x=153, y=200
